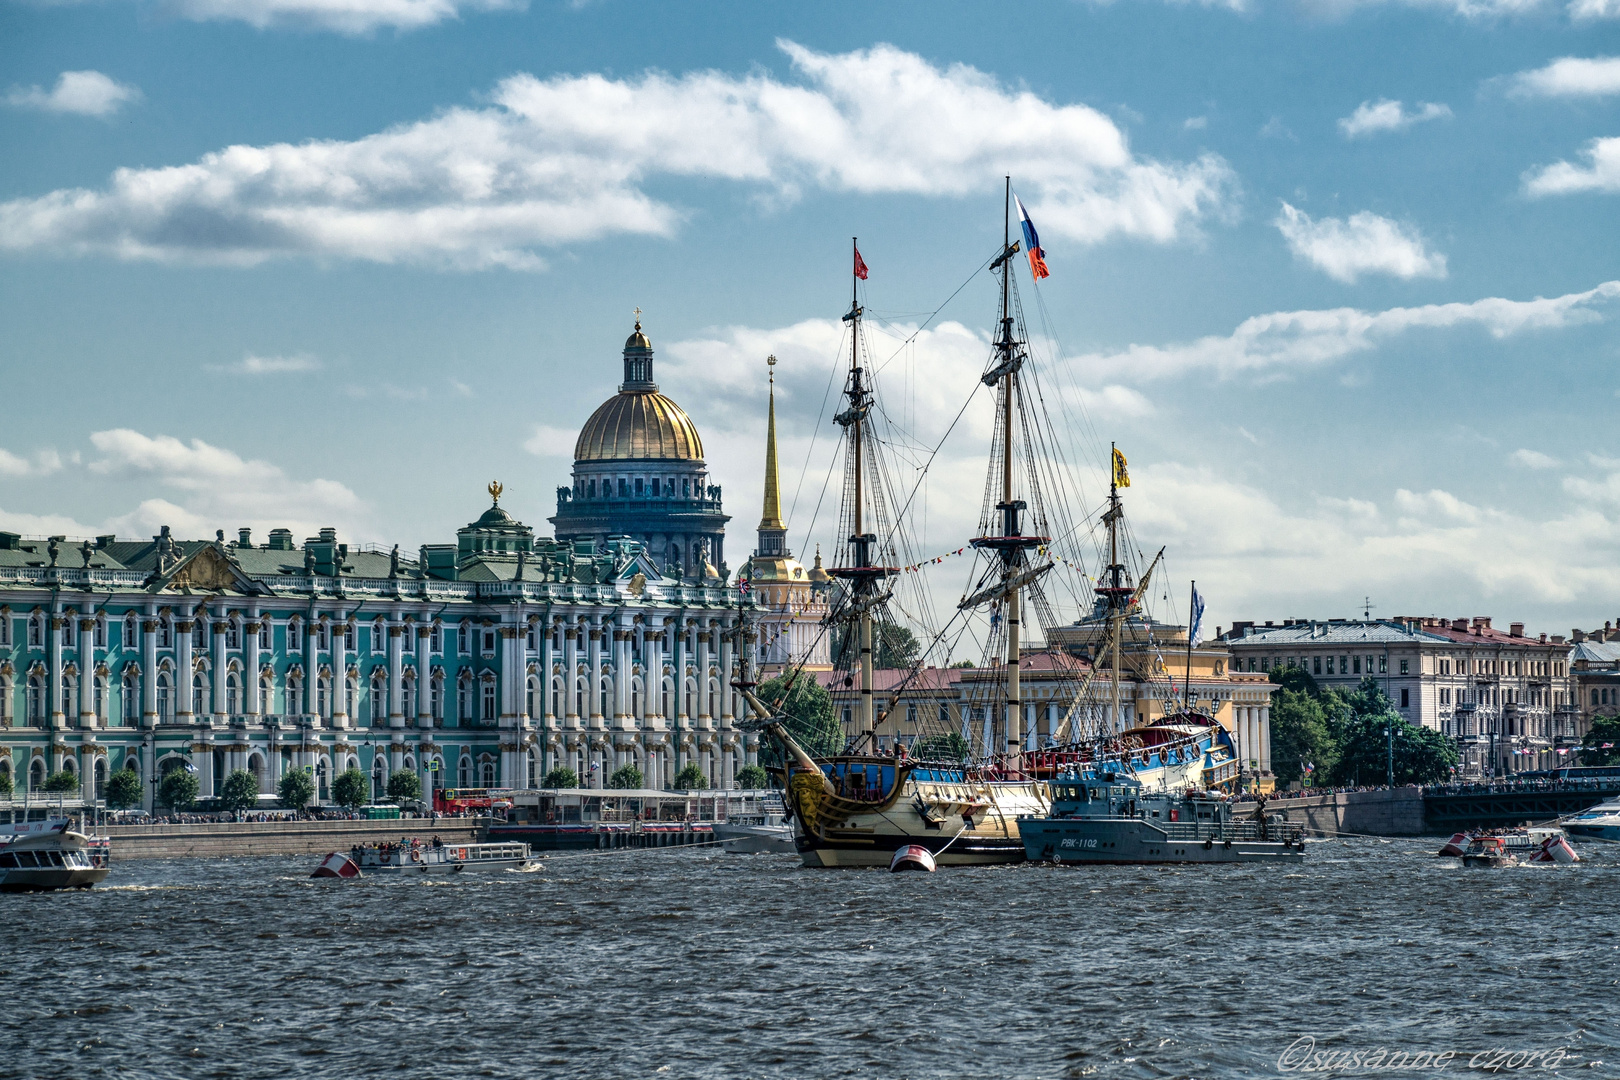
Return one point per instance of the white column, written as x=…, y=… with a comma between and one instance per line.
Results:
x=312, y=667
x=593, y=661
x=705, y=721
x=396, y=676
x=424, y=677
x=511, y=676
x=340, y=671
x=149, y=673
x=621, y=675
x=87, y=674
x=252, y=706
x=728, y=652
x=1265, y=739
x=652, y=674
x=183, y=669
x=217, y=626
x=570, y=676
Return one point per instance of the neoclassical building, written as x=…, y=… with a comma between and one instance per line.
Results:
x=481, y=663
x=639, y=473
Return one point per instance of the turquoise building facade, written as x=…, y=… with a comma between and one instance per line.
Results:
x=481, y=663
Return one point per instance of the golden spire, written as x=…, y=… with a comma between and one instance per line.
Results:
x=772, y=518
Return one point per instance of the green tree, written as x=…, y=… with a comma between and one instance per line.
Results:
x=240, y=791
x=351, y=789
x=124, y=789
x=1300, y=736
x=947, y=747
x=1605, y=729
x=404, y=786
x=178, y=790
x=296, y=789
x=751, y=777
x=1421, y=755
x=561, y=777
x=691, y=778
x=625, y=777
x=808, y=716
x=5, y=784
x=62, y=783
x=893, y=646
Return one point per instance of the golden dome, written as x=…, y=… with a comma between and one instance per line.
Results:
x=636, y=424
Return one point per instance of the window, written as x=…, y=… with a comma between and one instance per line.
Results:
x=233, y=694
x=641, y=487
x=36, y=631
x=436, y=639
x=1383, y=665
x=295, y=634
x=686, y=487
x=464, y=699
x=489, y=701
x=199, y=628
x=266, y=695
x=348, y=636
x=624, y=488
x=464, y=772
x=233, y=634
x=407, y=694
x=5, y=626
x=669, y=486
x=590, y=489
x=323, y=636
x=530, y=640
x=463, y=645
x=489, y=641
x=379, y=696
x=1405, y=698
x=1316, y=665
x=36, y=701
x=436, y=698
x=165, y=700
x=295, y=691
x=199, y=694
x=1404, y=665
x=654, y=486
x=351, y=691
x=487, y=774
x=70, y=629
x=264, y=634
x=100, y=638
x=323, y=696
x=1358, y=665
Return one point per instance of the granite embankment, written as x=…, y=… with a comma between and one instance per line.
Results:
x=219, y=839
x=1397, y=812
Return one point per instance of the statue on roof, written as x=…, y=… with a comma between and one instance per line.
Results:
x=86, y=550
x=393, y=562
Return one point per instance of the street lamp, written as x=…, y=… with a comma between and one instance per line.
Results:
x=1389, y=730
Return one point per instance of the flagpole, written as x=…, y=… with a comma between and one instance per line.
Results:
x=1192, y=599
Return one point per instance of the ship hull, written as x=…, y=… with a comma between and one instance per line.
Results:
x=1127, y=841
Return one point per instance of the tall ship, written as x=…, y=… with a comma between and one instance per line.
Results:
x=960, y=794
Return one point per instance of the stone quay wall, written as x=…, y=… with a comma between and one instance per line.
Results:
x=1397, y=812
x=223, y=839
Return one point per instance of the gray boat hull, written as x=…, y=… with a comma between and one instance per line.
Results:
x=1132, y=841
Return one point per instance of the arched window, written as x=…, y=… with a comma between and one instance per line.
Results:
x=131, y=636
x=579, y=697
x=323, y=696
x=165, y=633
x=199, y=694
x=98, y=777
x=36, y=774
x=320, y=779
x=635, y=697
x=532, y=699
x=130, y=700
x=464, y=697
x=233, y=694
x=489, y=699
x=266, y=694
x=295, y=694
x=436, y=698
x=534, y=770
x=606, y=694
x=98, y=693
x=379, y=636
x=556, y=697
x=464, y=772
x=351, y=694
x=70, y=693
x=36, y=630
x=5, y=701
x=379, y=696
x=165, y=699
x=487, y=774
x=260, y=769
x=407, y=693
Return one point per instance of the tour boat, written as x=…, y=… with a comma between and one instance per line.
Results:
x=1521, y=841
x=1104, y=817
x=416, y=857
x=40, y=856
x=1488, y=852
x=766, y=831
x=1601, y=822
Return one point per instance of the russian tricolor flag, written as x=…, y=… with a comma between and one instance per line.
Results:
x=1032, y=243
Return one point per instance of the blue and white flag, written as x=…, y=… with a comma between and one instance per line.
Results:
x=1197, y=627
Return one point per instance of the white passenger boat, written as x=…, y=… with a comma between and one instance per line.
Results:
x=413, y=857
x=1601, y=822
x=41, y=856
x=766, y=831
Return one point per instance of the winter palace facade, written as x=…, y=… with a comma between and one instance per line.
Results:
x=482, y=663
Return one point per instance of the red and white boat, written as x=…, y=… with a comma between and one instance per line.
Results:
x=1522, y=842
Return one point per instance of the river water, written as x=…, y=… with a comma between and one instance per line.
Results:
x=692, y=963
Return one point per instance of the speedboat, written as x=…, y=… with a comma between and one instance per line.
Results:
x=1601, y=822
x=413, y=857
x=1488, y=851
x=41, y=856
x=1522, y=841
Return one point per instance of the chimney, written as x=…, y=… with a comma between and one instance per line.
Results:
x=1482, y=622
x=1268, y=622
x=244, y=538
x=1577, y=635
x=329, y=534
x=1460, y=625
x=1544, y=638
x=1516, y=629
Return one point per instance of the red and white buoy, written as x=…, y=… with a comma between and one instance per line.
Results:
x=337, y=865
x=1454, y=847
x=1555, y=849
x=912, y=857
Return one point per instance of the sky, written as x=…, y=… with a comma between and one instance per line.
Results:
x=1339, y=277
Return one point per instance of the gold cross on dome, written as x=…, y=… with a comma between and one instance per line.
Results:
x=638, y=318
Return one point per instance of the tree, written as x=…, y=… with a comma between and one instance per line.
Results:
x=1601, y=746
x=62, y=783
x=240, y=791
x=351, y=789
x=625, y=777
x=893, y=646
x=691, y=778
x=404, y=786
x=179, y=788
x=5, y=784
x=807, y=712
x=947, y=747
x=1421, y=755
x=1300, y=736
x=296, y=790
x=124, y=789
x=561, y=777
x=752, y=777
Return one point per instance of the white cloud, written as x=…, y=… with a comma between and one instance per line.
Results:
x=1534, y=459
x=1195, y=123
x=269, y=365
x=39, y=463
x=344, y=16
x=564, y=160
x=216, y=488
x=1373, y=117
x=1115, y=400
x=1284, y=340
x=87, y=93
x=1563, y=178
x=1365, y=244
x=1584, y=10
x=1570, y=76
x=548, y=441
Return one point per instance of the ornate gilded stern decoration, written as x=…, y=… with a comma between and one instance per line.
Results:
x=495, y=490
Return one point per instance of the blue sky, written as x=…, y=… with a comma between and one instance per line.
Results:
x=1340, y=278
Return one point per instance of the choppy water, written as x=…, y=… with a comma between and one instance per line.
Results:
x=697, y=964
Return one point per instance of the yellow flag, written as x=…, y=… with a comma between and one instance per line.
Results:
x=1122, y=478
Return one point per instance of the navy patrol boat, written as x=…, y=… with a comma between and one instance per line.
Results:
x=1109, y=817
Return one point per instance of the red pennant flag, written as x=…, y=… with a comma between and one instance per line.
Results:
x=860, y=265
